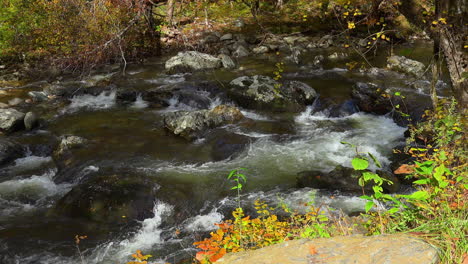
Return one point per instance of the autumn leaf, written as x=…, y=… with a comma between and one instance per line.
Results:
x=312, y=250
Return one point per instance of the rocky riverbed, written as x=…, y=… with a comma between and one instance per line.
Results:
x=139, y=161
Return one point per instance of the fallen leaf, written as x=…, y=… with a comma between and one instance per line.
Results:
x=404, y=169
x=312, y=250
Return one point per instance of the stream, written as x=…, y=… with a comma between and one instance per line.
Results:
x=182, y=186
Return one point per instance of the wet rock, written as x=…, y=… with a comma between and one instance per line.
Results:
x=241, y=51
x=15, y=101
x=403, y=64
x=389, y=249
x=38, y=96
x=99, y=80
x=56, y=89
x=343, y=179
x=3, y=105
x=126, y=96
x=338, y=56
x=225, y=37
x=63, y=155
x=262, y=92
x=228, y=146
x=11, y=120
x=31, y=120
x=192, y=94
x=260, y=50
x=369, y=99
x=192, y=125
x=325, y=42
x=109, y=198
x=9, y=151
x=317, y=62
x=347, y=108
x=192, y=61
x=228, y=63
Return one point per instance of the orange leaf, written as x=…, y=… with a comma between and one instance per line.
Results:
x=465, y=258
x=312, y=250
x=404, y=169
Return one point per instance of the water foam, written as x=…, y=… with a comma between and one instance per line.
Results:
x=102, y=101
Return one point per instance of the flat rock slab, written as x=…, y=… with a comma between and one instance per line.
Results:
x=384, y=249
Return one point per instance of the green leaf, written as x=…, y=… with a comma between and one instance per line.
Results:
x=393, y=210
x=360, y=164
x=347, y=143
x=369, y=206
x=376, y=161
x=422, y=181
x=397, y=93
x=419, y=195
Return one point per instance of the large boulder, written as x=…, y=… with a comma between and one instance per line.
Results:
x=192, y=61
x=403, y=64
x=9, y=150
x=343, y=179
x=370, y=99
x=191, y=125
x=262, y=92
x=110, y=198
x=11, y=120
x=389, y=249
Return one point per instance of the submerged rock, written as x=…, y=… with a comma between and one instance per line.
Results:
x=192, y=61
x=262, y=92
x=109, y=198
x=403, y=64
x=191, y=125
x=343, y=179
x=9, y=150
x=227, y=146
x=11, y=120
x=389, y=249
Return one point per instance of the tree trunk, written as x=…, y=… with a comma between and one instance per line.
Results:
x=451, y=39
x=170, y=11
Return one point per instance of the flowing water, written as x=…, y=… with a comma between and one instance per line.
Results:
x=192, y=190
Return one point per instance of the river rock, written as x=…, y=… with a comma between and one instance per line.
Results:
x=110, y=198
x=192, y=61
x=38, y=96
x=260, y=50
x=388, y=249
x=262, y=92
x=226, y=146
x=15, y=101
x=70, y=142
x=11, y=120
x=369, y=98
x=403, y=64
x=346, y=108
x=228, y=63
x=9, y=150
x=225, y=37
x=210, y=38
x=196, y=95
x=3, y=105
x=191, y=125
x=241, y=51
x=31, y=120
x=343, y=179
